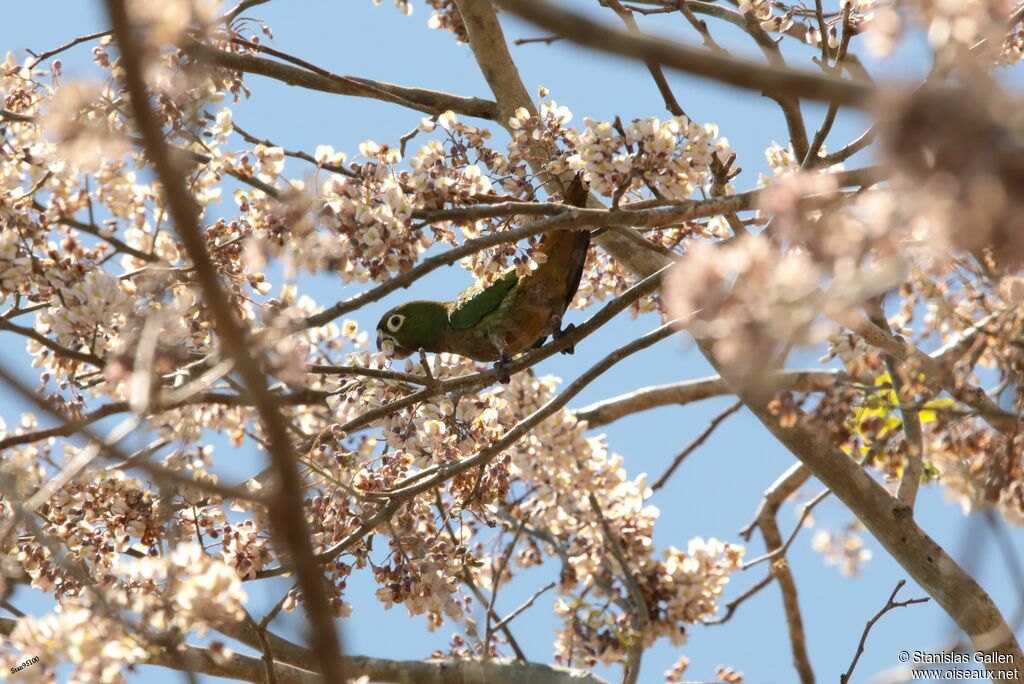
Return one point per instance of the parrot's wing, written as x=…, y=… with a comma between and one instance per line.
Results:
x=480, y=300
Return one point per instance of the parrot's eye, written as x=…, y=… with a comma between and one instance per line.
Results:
x=395, y=322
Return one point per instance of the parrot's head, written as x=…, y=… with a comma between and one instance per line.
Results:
x=412, y=326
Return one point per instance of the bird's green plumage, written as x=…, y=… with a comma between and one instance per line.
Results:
x=480, y=300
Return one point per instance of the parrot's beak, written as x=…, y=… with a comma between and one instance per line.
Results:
x=387, y=344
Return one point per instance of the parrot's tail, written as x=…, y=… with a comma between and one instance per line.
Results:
x=578, y=241
x=578, y=261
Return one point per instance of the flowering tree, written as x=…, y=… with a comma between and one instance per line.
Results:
x=140, y=312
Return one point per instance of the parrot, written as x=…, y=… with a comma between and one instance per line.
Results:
x=495, y=321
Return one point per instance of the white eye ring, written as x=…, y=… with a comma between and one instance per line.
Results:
x=395, y=322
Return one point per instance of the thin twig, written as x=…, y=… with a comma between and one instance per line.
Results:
x=66, y=46
x=63, y=352
x=268, y=657
x=503, y=623
x=695, y=444
x=889, y=605
x=467, y=577
x=242, y=6
x=731, y=606
x=547, y=40
x=805, y=511
x=765, y=521
x=503, y=563
x=671, y=104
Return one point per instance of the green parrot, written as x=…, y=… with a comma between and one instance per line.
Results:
x=496, y=321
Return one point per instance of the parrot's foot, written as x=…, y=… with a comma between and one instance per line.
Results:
x=501, y=365
x=558, y=331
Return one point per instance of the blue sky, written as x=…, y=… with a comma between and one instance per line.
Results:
x=718, y=489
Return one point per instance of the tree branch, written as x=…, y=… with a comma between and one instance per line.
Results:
x=608, y=411
x=63, y=352
x=247, y=668
x=421, y=99
x=66, y=46
x=730, y=70
x=928, y=563
x=287, y=512
x=777, y=494
x=695, y=444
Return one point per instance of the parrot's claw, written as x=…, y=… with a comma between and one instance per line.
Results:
x=501, y=366
x=571, y=349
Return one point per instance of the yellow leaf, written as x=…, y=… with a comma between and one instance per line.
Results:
x=930, y=416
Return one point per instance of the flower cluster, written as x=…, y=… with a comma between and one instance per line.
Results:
x=446, y=16
x=763, y=11
x=536, y=135
x=171, y=595
x=15, y=265
x=682, y=588
x=673, y=157
x=372, y=213
x=844, y=548
x=93, y=312
x=1012, y=50
x=373, y=217
x=747, y=298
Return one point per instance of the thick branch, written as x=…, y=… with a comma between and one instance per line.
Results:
x=734, y=71
x=927, y=562
x=249, y=669
x=287, y=512
x=679, y=393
